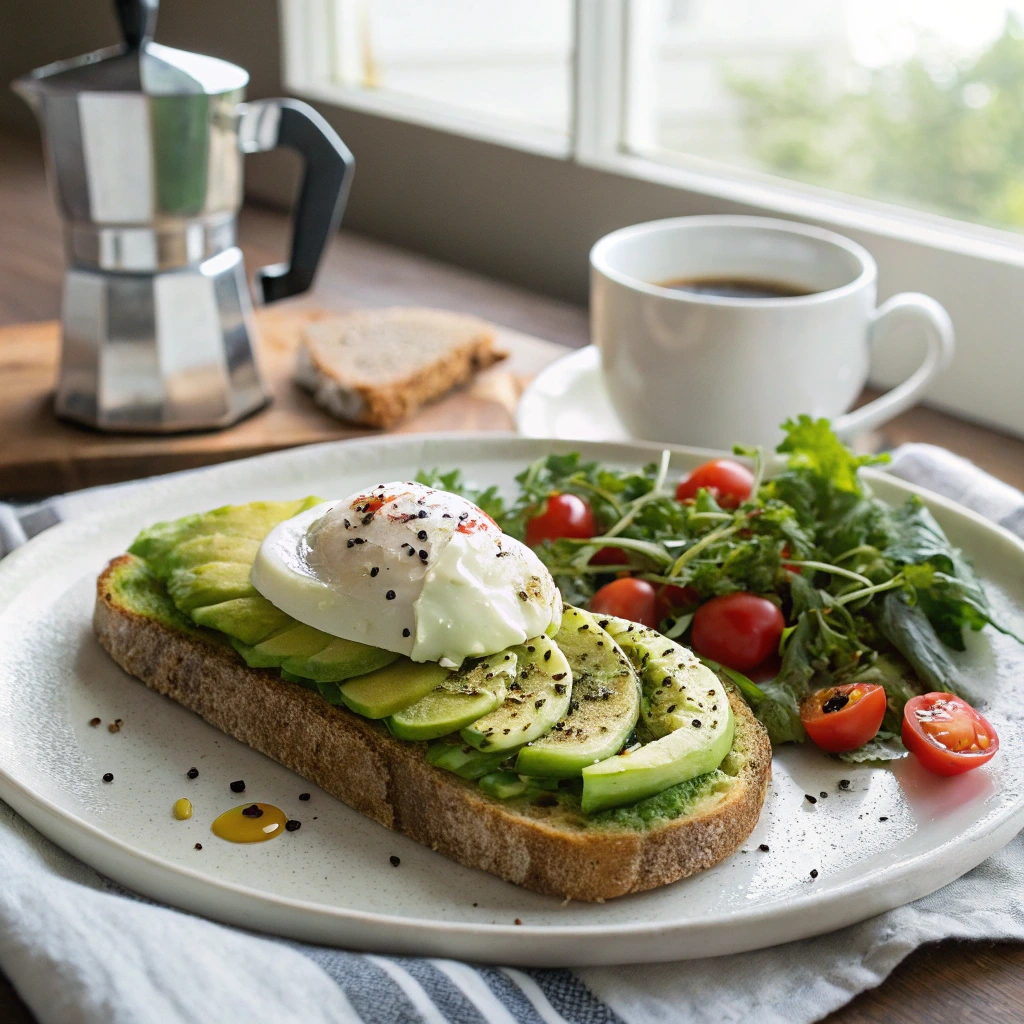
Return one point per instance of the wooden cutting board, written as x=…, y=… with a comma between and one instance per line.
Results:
x=41, y=455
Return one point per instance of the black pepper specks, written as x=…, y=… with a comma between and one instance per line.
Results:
x=823, y=795
x=108, y=777
x=198, y=846
x=763, y=847
x=814, y=872
x=292, y=825
x=395, y=861
x=192, y=773
x=238, y=787
x=547, y=655
x=422, y=535
x=375, y=570
x=253, y=811
x=844, y=783
x=423, y=513
x=810, y=799
x=94, y=722
x=389, y=596
x=423, y=555
x=407, y=631
x=696, y=723
x=303, y=796
x=884, y=817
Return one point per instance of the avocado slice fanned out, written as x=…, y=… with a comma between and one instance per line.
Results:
x=685, y=707
x=536, y=699
x=603, y=710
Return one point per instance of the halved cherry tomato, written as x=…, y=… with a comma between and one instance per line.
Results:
x=627, y=598
x=563, y=515
x=946, y=734
x=844, y=717
x=670, y=599
x=728, y=482
x=738, y=630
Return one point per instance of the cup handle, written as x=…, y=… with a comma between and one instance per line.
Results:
x=909, y=307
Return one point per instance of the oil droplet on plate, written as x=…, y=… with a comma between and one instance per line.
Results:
x=183, y=809
x=250, y=823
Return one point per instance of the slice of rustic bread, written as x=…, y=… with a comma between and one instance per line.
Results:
x=551, y=849
x=377, y=367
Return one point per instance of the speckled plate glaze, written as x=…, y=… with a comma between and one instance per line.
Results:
x=333, y=882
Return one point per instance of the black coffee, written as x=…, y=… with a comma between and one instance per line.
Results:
x=737, y=287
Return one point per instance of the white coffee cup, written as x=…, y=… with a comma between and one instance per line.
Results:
x=711, y=370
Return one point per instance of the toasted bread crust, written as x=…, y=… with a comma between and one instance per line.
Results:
x=371, y=403
x=389, y=780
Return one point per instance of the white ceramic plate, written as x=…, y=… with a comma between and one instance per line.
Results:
x=568, y=399
x=332, y=880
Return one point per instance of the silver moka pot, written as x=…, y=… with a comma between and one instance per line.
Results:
x=144, y=148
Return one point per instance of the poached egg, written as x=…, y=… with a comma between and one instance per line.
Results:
x=410, y=569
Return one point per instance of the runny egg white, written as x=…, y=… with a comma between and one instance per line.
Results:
x=409, y=569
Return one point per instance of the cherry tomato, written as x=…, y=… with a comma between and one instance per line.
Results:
x=627, y=598
x=610, y=556
x=728, y=482
x=946, y=734
x=844, y=717
x=671, y=599
x=564, y=515
x=738, y=630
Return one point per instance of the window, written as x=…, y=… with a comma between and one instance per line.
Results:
x=897, y=122
x=915, y=102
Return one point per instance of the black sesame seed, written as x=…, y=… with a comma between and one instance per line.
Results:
x=814, y=872
x=532, y=649
x=884, y=817
x=423, y=556
x=696, y=723
x=422, y=535
x=348, y=525
x=670, y=709
x=292, y=825
x=547, y=655
x=359, y=540
x=844, y=783
x=446, y=515
x=823, y=794
x=375, y=570
x=406, y=631
x=253, y=811
x=463, y=516
x=395, y=861
x=412, y=551
x=350, y=544
x=108, y=777
x=423, y=513
x=198, y=846
x=389, y=596
x=238, y=787
x=602, y=623
x=810, y=799
x=559, y=675
x=193, y=773
x=539, y=703
x=303, y=796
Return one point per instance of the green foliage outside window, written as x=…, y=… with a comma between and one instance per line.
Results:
x=942, y=137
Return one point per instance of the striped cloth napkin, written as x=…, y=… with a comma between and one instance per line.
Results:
x=81, y=950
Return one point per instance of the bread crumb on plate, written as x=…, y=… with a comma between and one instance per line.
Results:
x=375, y=368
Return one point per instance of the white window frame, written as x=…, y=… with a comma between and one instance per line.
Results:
x=976, y=272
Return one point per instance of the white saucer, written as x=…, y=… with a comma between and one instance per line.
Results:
x=568, y=400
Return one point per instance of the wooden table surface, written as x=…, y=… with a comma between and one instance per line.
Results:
x=945, y=983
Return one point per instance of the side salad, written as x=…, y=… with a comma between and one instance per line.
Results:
x=832, y=612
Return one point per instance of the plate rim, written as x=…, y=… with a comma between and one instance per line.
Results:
x=56, y=818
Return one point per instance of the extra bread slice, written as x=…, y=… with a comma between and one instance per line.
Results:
x=547, y=849
x=377, y=367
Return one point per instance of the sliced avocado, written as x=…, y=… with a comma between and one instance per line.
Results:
x=212, y=547
x=466, y=762
x=393, y=688
x=504, y=785
x=684, y=706
x=603, y=710
x=249, y=619
x=536, y=699
x=209, y=584
x=298, y=640
x=340, y=660
x=253, y=521
x=457, y=701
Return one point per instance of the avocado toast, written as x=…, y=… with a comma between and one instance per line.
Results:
x=486, y=762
